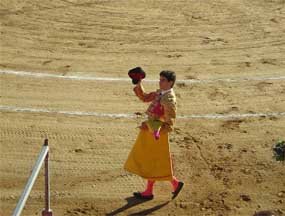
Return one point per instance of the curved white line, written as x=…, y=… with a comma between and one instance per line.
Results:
x=75, y=113
x=48, y=75
x=127, y=115
x=233, y=116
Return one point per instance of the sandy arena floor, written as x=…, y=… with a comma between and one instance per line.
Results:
x=229, y=58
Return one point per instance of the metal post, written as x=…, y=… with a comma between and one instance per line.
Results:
x=31, y=180
x=47, y=211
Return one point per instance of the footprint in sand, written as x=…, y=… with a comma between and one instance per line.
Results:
x=232, y=124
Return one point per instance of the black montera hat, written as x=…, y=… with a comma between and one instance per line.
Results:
x=136, y=74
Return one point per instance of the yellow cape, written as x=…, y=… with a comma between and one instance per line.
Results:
x=150, y=158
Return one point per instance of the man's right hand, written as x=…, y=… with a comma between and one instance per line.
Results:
x=139, y=83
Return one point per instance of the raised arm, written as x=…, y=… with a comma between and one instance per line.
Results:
x=142, y=95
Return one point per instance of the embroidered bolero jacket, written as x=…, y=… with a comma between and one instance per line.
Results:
x=167, y=101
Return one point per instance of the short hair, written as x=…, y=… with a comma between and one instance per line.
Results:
x=169, y=75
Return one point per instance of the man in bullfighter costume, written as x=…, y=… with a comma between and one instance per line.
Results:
x=150, y=156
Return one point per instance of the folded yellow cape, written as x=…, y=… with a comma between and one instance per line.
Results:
x=150, y=158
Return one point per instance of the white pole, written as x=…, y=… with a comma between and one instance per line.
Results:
x=47, y=211
x=31, y=181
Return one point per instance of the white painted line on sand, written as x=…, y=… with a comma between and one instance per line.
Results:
x=128, y=115
x=94, y=78
x=74, y=113
x=48, y=75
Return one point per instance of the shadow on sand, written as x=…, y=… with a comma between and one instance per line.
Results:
x=131, y=202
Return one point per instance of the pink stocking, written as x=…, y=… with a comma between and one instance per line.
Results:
x=149, y=188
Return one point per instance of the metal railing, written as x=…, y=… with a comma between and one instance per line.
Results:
x=43, y=157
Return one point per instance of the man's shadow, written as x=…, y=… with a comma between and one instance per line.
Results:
x=131, y=202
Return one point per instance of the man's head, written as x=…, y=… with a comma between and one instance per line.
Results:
x=167, y=79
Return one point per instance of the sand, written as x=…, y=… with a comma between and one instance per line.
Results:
x=229, y=59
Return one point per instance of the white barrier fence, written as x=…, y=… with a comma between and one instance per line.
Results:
x=43, y=157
